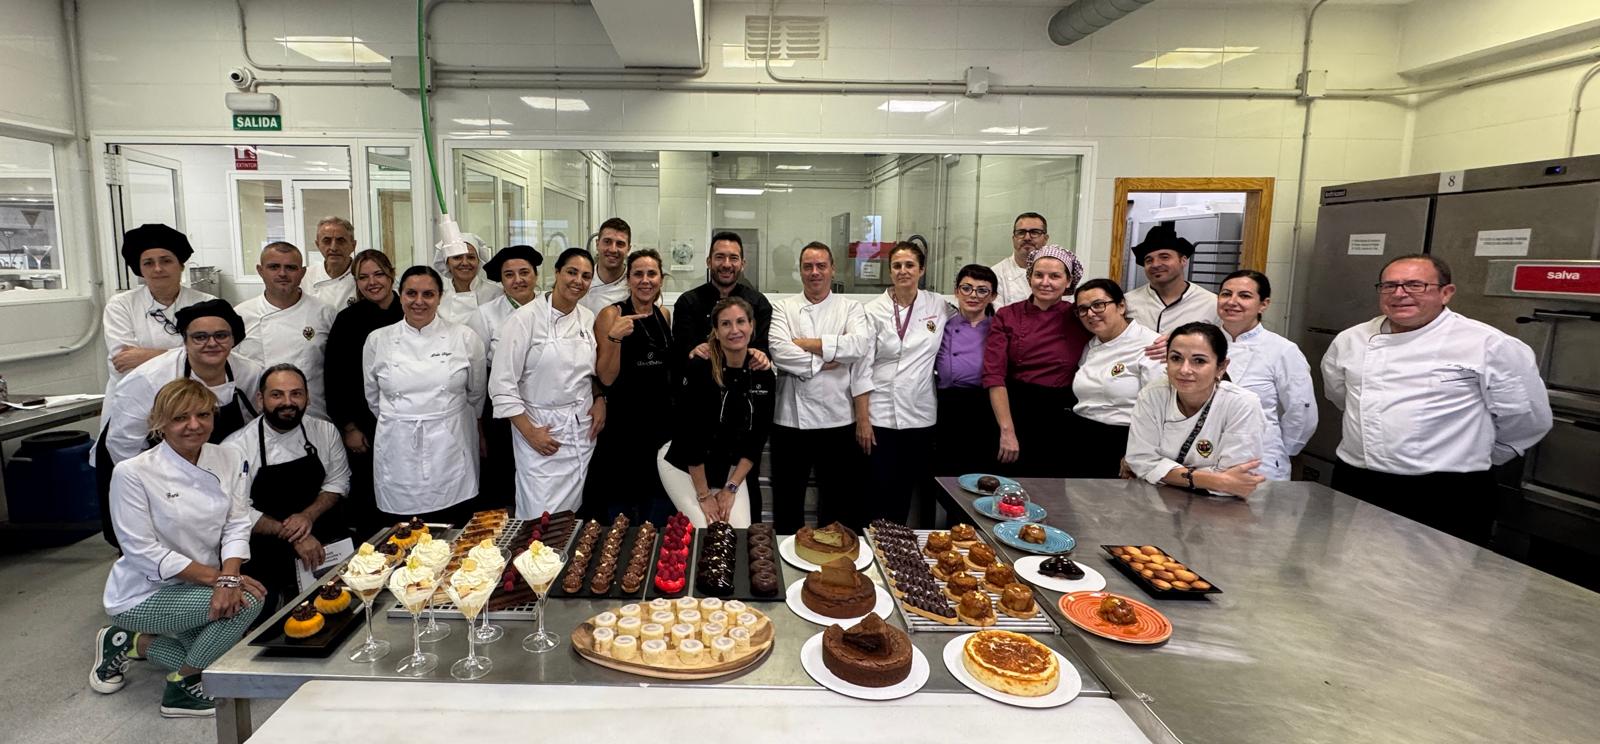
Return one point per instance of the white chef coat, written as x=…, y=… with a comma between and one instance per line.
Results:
x=126, y=414
x=1454, y=396
x=602, y=294
x=486, y=320
x=458, y=307
x=1231, y=434
x=1014, y=286
x=1196, y=305
x=426, y=387
x=127, y=323
x=169, y=513
x=808, y=396
x=1110, y=375
x=543, y=367
x=297, y=334
x=1273, y=368
x=288, y=446
x=337, y=292
x=903, y=395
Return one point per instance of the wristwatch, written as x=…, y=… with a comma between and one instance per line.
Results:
x=731, y=487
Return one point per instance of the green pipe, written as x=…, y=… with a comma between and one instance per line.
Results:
x=422, y=94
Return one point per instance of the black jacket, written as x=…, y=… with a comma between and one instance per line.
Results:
x=717, y=426
x=343, y=375
x=691, y=317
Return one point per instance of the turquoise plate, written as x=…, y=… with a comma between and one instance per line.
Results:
x=985, y=506
x=970, y=482
x=1055, y=541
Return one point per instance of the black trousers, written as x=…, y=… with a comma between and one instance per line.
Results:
x=837, y=460
x=1458, y=504
x=967, y=438
x=1096, y=449
x=497, y=484
x=1044, y=423
x=900, y=464
x=622, y=474
x=361, y=504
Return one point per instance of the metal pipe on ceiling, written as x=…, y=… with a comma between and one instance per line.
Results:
x=1577, y=108
x=1084, y=17
x=556, y=83
x=1530, y=68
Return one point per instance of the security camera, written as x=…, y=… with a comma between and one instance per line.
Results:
x=241, y=78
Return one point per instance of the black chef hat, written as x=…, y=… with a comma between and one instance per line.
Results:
x=144, y=237
x=524, y=252
x=1162, y=236
x=212, y=309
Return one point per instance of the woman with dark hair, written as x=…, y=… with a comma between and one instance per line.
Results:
x=723, y=414
x=425, y=383
x=897, y=432
x=1270, y=366
x=1110, y=375
x=516, y=270
x=636, y=365
x=376, y=306
x=544, y=382
x=1196, y=429
x=966, y=419
x=138, y=324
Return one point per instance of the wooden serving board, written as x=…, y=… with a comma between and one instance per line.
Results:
x=761, y=642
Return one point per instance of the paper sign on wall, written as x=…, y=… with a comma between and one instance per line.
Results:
x=1503, y=242
x=1367, y=244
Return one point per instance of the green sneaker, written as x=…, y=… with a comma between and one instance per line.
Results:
x=186, y=698
x=111, y=648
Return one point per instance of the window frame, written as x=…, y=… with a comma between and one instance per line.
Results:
x=75, y=284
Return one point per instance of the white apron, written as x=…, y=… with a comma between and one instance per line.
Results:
x=425, y=451
x=555, y=483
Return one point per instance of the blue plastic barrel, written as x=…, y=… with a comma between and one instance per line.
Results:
x=49, y=480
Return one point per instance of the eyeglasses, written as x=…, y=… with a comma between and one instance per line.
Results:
x=1097, y=307
x=1032, y=232
x=166, y=323
x=1411, y=287
x=972, y=290
x=202, y=338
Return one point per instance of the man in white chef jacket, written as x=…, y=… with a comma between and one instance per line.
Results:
x=1029, y=232
x=331, y=279
x=1432, y=400
x=1169, y=299
x=610, y=265
x=820, y=343
x=284, y=324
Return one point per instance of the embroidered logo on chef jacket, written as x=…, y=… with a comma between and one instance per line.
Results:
x=1118, y=368
x=1203, y=447
x=930, y=326
x=308, y=332
x=350, y=302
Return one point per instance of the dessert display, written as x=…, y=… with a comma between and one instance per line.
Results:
x=1157, y=572
x=1016, y=600
x=470, y=586
x=838, y=590
x=1061, y=567
x=391, y=552
x=413, y=584
x=713, y=571
x=1011, y=663
x=938, y=544
x=1116, y=617
x=960, y=584
x=763, y=564
x=988, y=484
x=597, y=567
x=332, y=599
x=871, y=654
x=305, y=621
x=1032, y=533
x=690, y=648
x=964, y=534
x=975, y=608
x=672, y=563
x=366, y=572
x=1012, y=505
x=402, y=536
x=539, y=565
x=822, y=544
x=980, y=556
x=1117, y=612
x=999, y=576
x=950, y=564
x=910, y=579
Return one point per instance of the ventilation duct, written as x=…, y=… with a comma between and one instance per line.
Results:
x=786, y=38
x=1078, y=20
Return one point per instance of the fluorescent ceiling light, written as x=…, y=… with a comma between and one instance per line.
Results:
x=738, y=214
x=779, y=185
x=791, y=167
x=729, y=191
x=900, y=106
x=1013, y=130
x=546, y=103
x=482, y=122
x=1195, y=58
x=346, y=49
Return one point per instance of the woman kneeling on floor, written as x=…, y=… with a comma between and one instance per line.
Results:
x=181, y=514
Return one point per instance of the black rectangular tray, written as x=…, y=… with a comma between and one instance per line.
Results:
x=741, y=571
x=615, y=592
x=335, y=629
x=650, y=590
x=1150, y=588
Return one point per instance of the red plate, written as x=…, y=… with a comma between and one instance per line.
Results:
x=1083, y=609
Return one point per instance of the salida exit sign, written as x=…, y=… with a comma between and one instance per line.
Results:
x=257, y=122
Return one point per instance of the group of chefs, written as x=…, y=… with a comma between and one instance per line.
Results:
x=347, y=396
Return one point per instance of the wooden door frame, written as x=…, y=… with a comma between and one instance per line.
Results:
x=1257, y=214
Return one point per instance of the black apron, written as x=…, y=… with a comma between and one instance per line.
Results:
x=280, y=491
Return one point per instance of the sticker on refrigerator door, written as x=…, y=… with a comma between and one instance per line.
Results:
x=1503, y=242
x=1450, y=181
x=1367, y=244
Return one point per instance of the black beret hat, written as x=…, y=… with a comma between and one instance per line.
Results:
x=1161, y=237
x=524, y=252
x=212, y=309
x=144, y=237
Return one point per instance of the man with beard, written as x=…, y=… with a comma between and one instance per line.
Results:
x=330, y=280
x=295, y=465
x=1029, y=232
x=610, y=258
x=691, y=314
x=1170, y=299
x=285, y=325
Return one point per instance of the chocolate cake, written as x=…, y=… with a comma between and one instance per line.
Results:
x=871, y=654
x=838, y=590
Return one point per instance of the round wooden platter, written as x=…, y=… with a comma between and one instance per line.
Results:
x=761, y=641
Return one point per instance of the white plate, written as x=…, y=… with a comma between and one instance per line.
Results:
x=786, y=549
x=884, y=608
x=1066, y=690
x=811, y=659
x=1028, y=568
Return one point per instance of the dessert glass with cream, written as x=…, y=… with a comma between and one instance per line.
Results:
x=413, y=584
x=539, y=565
x=434, y=554
x=469, y=588
x=494, y=558
x=366, y=573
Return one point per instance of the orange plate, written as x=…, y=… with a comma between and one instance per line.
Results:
x=1082, y=608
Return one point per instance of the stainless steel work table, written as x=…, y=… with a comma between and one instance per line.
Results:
x=16, y=422
x=1338, y=621
x=245, y=672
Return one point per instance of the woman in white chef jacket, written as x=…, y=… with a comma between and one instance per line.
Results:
x=177, y=595
x=465, y=289
x=425, y=383
x=1270, y=366
x=141, y=323
x=897, y=433
x=544, y=382
x=1111, y=372
x=516, y=269
x=1196, y=429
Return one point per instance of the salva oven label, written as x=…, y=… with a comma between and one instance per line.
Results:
x=1572, y=280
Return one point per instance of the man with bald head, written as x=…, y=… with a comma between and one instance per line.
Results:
x=285, y=325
